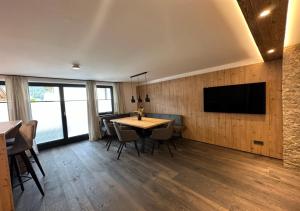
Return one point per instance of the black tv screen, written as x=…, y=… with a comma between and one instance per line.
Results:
x=242, y=98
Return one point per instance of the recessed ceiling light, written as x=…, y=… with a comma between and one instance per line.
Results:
x=271, y=51
x=76, y=66
x=265, y=13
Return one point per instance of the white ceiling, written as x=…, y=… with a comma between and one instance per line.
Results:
x=113, y=39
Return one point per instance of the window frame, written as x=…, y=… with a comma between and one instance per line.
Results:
x=65, y=140
x=112, y=99
x=2, y=83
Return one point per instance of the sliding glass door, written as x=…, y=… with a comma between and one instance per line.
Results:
x=76, y=110
x=61, y=111
x=46, y=108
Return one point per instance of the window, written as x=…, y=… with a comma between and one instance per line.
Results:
x=46, y=109
x=105, y=99
x=3, y=103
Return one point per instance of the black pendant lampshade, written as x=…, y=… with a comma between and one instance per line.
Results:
x=132, y=100
x=140, y=99
x=147, y=99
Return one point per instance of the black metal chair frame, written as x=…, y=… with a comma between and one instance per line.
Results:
x=14, y=166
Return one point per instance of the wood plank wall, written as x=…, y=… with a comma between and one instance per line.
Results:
x=126, y=93
x=185, y=96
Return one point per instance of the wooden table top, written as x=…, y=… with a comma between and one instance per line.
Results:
x=6, y=127
x=145, y=123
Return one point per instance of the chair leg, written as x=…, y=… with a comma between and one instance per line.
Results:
x=37, y=161
x=137, y=149
x=169, y=149
x=153, y=145
x=11, y=170
x=109, y=140
x=119, y=147
x=31, y=171
x=15, y=164
x=120, y=150
x=173, y=143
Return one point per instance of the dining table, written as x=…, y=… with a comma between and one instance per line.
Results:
x=146, y=123
x=7, y=130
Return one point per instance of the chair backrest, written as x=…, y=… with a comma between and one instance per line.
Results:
x=34, y=123
x=26, y=133
x=169, y=129
x=23, y=139
x=109, y=117
x=164, y=133
x=108, y=129
x=117, y=128
x=178, y=118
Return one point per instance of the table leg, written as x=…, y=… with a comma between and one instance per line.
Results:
x=143, y=145
x=142, y=134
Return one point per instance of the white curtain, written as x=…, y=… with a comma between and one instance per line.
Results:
x=18, y=100
x=93, y=119
x=119, y=105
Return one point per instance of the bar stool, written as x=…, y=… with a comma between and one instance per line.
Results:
x=30, y=141
x=18, y=148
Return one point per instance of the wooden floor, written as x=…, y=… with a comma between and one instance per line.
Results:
x=84, y=176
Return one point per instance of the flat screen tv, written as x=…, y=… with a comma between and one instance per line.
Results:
x=241, y=98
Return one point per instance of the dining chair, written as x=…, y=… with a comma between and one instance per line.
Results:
x=163, y=134
x=125, y=136
x=19, y=148
x=110, y=132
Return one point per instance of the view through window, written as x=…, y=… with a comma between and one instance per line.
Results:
x=46, y=108
x=76, y=110
x=105, y=99
x=3, y=103
x=61, y=110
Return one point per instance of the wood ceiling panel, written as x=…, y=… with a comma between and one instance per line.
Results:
x=267, y=31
